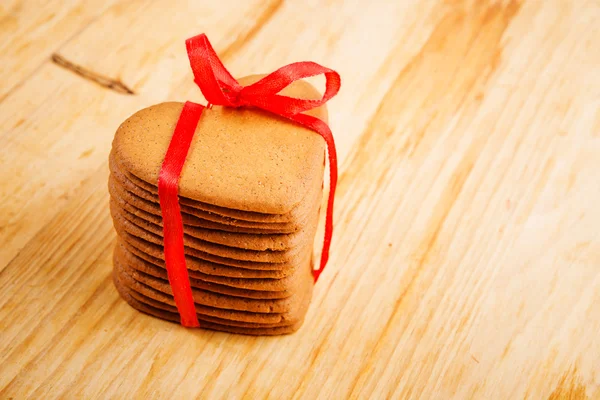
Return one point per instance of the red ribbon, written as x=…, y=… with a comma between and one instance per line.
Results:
x=220, y=88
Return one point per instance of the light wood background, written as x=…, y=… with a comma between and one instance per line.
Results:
x=466, y=257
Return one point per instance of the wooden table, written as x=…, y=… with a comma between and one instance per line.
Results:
x=466, y=259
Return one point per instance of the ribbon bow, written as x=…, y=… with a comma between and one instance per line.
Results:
x=220, y=88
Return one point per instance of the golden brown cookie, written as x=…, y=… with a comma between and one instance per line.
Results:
x=154, y=254
x=151, y=212
x=202, y=311
x=242, y=159
x=296, y=314
x=137, y=191
x=198, y=218
x=131, y=260
x=149, y=191
x=202, y=318
x=151, y=268
x=247, y=241
x=216, y=300
x=208, y=323
x=206, y=250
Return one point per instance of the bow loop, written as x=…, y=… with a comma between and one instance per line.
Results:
x=215, y=82
x=265, y=92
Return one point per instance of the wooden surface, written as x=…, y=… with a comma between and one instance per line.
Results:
x=466, y=259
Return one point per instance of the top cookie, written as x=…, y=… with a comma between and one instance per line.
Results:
x=243, y=159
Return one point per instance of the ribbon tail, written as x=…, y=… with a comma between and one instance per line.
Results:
x=211, y=76
x=322, y=129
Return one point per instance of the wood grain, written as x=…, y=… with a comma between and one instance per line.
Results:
x=466, y=253
x=31, y=30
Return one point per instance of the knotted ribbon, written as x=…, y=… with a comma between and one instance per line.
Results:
x=220, y=88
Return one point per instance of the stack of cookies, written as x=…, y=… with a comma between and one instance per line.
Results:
x=250, y=194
